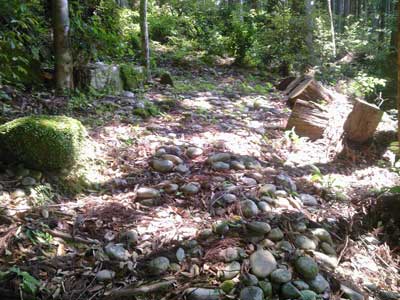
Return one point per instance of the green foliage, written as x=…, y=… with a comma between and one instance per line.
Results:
x=148, y=110
x=38, y=237
x=132, y=76
x=164, y=24
x=102, y=31
x=279, y=42
x=29, y=284
x=365, y=85
x=79, y=100
x=328, y=183
x=292, y=137
x=42, y=142
x=190, y=33
x=41, y=194
x=395, y=190
x=23, y=41
x=242, y=35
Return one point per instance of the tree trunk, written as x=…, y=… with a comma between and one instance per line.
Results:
x=362, y=122
x=332, y=29
x=63, y=58
x=398, y=74
x=308, y=119
x=309, y=6
x=144, y=32
x=241, y=10
x=341, y=16
x=381, y=36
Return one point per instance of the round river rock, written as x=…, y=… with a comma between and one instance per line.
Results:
x=262, y=263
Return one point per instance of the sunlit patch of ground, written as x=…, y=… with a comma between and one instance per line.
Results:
x=217, y=120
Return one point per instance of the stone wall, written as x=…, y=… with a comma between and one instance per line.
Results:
x=111, y=77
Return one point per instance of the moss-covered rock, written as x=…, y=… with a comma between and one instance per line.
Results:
x=132, y=76
x=42, y=142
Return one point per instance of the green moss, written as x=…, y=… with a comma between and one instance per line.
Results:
x=148, y=110
x=42, y=142
x=132, y=76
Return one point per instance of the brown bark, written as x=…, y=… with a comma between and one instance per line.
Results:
x=332, y=28
x=307, y=89
x=284, y=83
x=382, y=11
x=144, y=32
x=63, y=58
x=308, y=119
x=309, y=10
x=362, y=122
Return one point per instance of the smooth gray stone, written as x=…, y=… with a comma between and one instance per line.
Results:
x=202, y=294
x=262, y=263
x=105, y=275
x=249, y=208
x=307, y=267
x=147, y=193
x=251, y=293
x=159, y=265
x=281, y=276
x=319, y=284
x=117, y=252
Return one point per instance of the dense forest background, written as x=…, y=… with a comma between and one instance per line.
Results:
x=274, y=36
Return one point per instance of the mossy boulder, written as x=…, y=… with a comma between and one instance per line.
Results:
x=42, y=142
x=132, y=76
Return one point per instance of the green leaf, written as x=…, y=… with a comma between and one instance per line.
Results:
x=395, y=189
x=30, y=284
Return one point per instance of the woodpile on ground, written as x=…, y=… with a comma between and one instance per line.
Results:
x=308, y=119
x=306, y=97
x=308, y=89
x=313, y=111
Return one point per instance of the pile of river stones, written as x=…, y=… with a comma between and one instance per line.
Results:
x=273, y=260
x=177, y=159
x=269, y=262
x=272, y=263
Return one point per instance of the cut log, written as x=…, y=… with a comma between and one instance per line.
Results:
x=307, y=89
x=292, y=85
x=308, y=119
x=362, y=122
x=284, y=83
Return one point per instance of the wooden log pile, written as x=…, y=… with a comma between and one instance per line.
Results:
x=310, y=118
x=308, y=89
x=305, y=96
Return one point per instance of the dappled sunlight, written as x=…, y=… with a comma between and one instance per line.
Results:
x=217, y=150
x=248, y=128
x=200, y=103
x=171, y=224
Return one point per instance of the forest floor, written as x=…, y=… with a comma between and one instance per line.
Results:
x=62, y=240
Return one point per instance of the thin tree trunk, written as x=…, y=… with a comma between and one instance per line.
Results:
x=144, y=31
x=309, y=5
x=381, y=36
x=341, y=16
x=332, y=28
x=241, y=10
x=398, y=74
x=63, y=57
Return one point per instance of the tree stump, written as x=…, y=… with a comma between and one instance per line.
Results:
x=308, y=119
x=362, y=122
x=308, y=89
